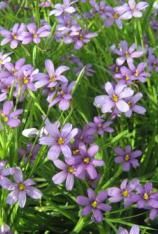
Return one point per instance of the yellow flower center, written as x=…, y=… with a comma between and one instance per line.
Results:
x=25, y=80
x=127, y=157
x=1, y=61
x=130, y=104
x=70, y=169
x=116, y=15
x=116, y=69
x=14, y=36
x=86, y=160
x=115, y=98
x=146, y=196
x=21, y=187
x=75, y=151
x=127, y=77
x=136, y=73
x=125, y=193
x=61, y=141
x=94, y=204
x=5, y=118
x=52, y=78
x=35, y=35
x=126, y=54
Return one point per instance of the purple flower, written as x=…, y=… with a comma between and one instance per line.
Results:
x=126, y=54
x=81, y=37
x=146, y=197
x=94, y=203
x=125, y=192
x=25, y=79
x=114, y=16
x=132, y=102
x=53, y=77
x=67, y=173
x=127, y=157
x=62, y=96
x=138, y=72
x=45, y=4
x=3, y=5
x=4, y=172
x=135, y=9
x=153, y=213
x=14, y=36
x=115, y=98
x=152, y=60
x=84, y=136
x=124, y=76
x=99, y=126
x=58, y=140
x=35, y=34
x=5, y=229
x=86, y=162
x=21, y=188
x=134, y=230
x=4, y=58
x=60, y=9
x=8, y=116
x=30, y=153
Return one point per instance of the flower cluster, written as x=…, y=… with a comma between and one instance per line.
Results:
x=55, y=85
x=24, y=34
x=134, y=193
x=111, y=15
x=17, y=77
x=121, y=98
x=79, y=161
x=68, y=28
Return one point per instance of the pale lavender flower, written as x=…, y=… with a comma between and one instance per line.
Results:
x=99, y=126
x=25, y=79
x=84, y=137
x=4, y=58
x=153, y=213
x=138, y=72
x=116, y=98
x=94, y=203
x=135, y=9
x=134, y=230
x=67, y=173
x=127, y=157
x=124, y=76
x=35, y=34
x=62, y=97
x=114, y=16
x=30, y=153
x=132, y=102
x=58, y=140
x=126, y=192
x=5, y=229
x=9, y=75
x=87, y=163
x=53, y=76
x=8, y=116
x=60, y=9
x=152, y=61
x=21, y=188
x=126, y=54
x=4, y=172
x=45, y=4
x=81, y=37
x=146, y=197
x=14, y=36
x=3, y=5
